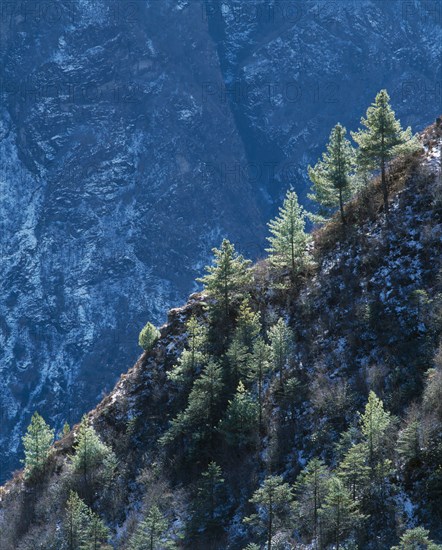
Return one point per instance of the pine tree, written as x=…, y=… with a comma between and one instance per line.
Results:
x=240, y=423
x=97, y=533
x=75, y=524
x=382, y=139
x=199, y=418
x=151, y=531
x=273, y=500
x=37, y=443
x=416, y=539
x=259, y=367
x=409, y=442
x=375, y=422
x=288, y=249
x=148, y=336
x=339, y=514
x=194, y=356
x=240, y=351
x=210, y=498
x=332, y=175
x=353, y=470
x=281, y=346
x=228, y=275
x=310, y=489
x=90, y=451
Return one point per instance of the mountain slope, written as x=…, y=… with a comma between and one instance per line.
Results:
x=367, y=318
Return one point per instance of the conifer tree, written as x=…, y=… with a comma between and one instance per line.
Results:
x=199, y=417
x=240, y=423
x=259, y=367
x=90, y=451
x=228, y=275
x=354, y=471
x=339, y=514
x=375, y=422
x=210, y=498
x=332, y=175
x=82, y=528
x=194, y=356
x=310, y=489
x=409, y=442
x=416, y=539
x=281, y=346
x=37, y=443
x=148, y=336
x=288, y=249
x=273, y=500
x=151, y=531
x=382, y=139
x=240, y=351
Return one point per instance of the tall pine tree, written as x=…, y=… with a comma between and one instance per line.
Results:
x=382, y=139
x=332, y=175
x=37, y=443
x=288, y=249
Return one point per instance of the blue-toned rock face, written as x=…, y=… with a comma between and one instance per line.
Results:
x=134, y=135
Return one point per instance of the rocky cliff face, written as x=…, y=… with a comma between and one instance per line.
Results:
x=135, y=134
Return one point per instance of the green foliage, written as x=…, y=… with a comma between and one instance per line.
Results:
x=416, y=539
x=332, y=175
x=382, y=139
x=194, y=356
x=273, y=501
x=82, y=528
x=90, y=451
x=339, y=514
x=37, y=443
x=227, y=277
x=199, y=417
x=240, y=424
x=281, y=346
x=210, y=499
x=151, y=533
x=288, y=249
x=148, y=336
x=409, y=442
x=240, y=351
x=310, y=490
x=259, y=367
x=354, y=471
x=375, y=422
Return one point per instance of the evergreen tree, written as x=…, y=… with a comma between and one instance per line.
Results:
x=259, y=367
x=151, y=531
x=416, y=539
x=273, y=501
x=240, y=423
x=148, y=336
x=37, y=443
x=90, y=451
x=353, y=470
x=82, y=528
x=75, y=524
x=194, y=356
x=339, y=513
x=288, y=249
x=382, y=139
x=310, y=490
x=228, y=275
x=375, y=422
x=210, y=498
x=281, y=346
x=332, y=175
x=199, y=417
x=409, y=442
x=240, y=351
